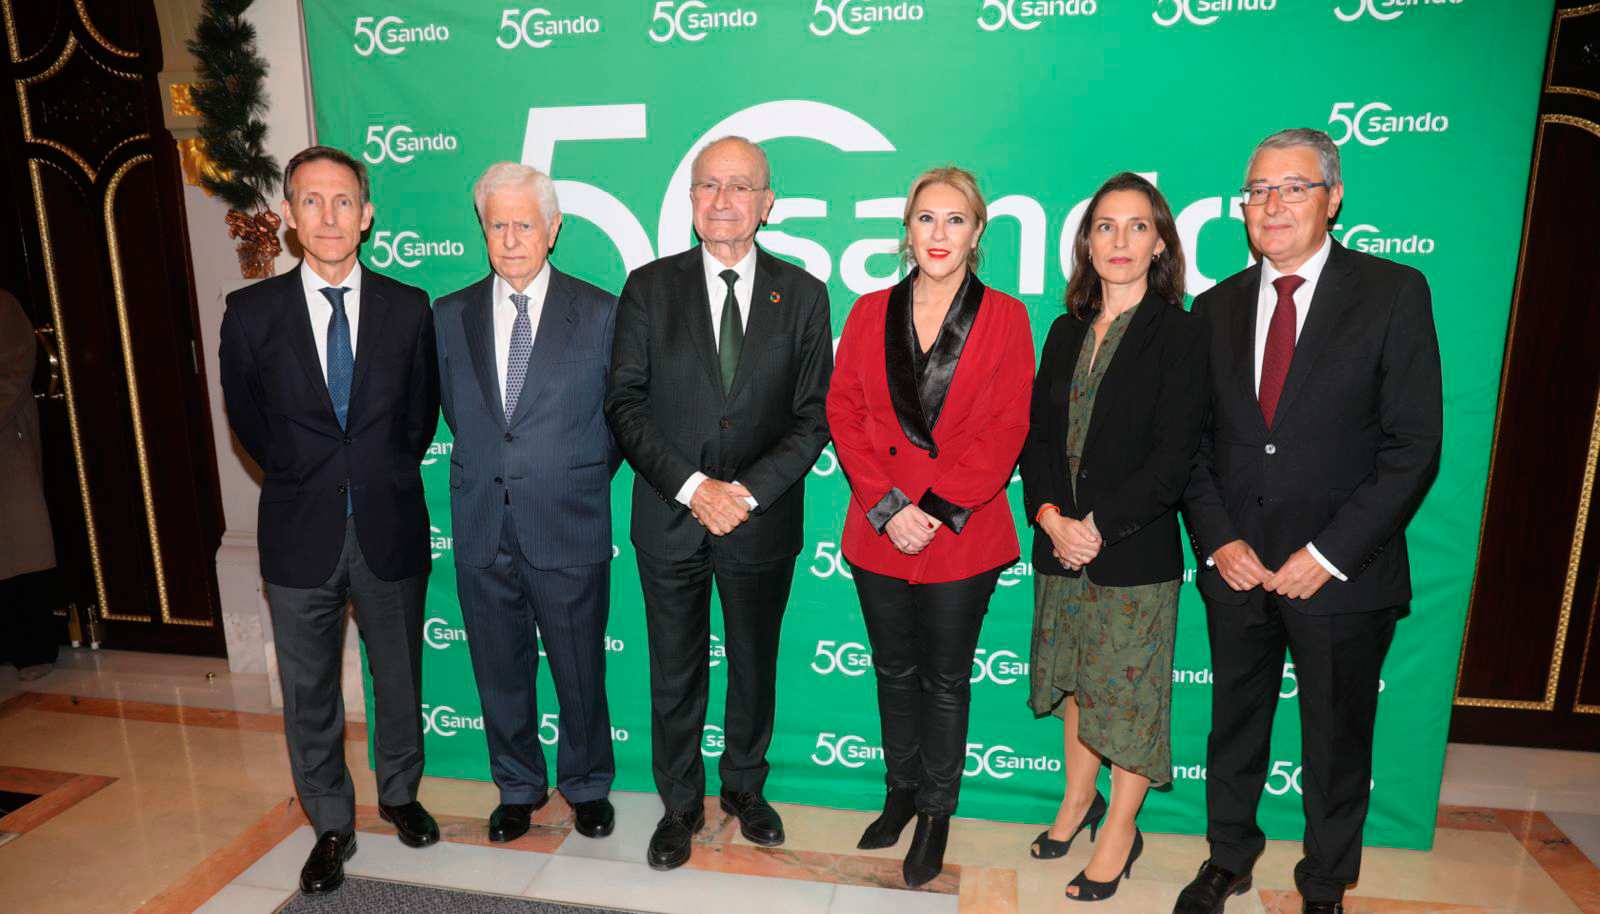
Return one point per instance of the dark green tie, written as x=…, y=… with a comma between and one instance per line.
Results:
x=731, y=337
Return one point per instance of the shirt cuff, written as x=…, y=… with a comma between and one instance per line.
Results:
x=1327, y=565
x=689, y=485
x=749, y=500
x=886, y=508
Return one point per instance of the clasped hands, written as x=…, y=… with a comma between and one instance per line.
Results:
x=720, y=506
x=1299, y=578
x=1073, y=542
x=911, y=529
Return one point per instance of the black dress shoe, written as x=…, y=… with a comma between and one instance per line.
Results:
x=674, y=836
x=899, y=807
x=324, y=869
x=594, y=818
x=1211, y=888
x=758, y=821
x=1322, y=907
x=926, y=858
x=414, y=826
x=510, y=821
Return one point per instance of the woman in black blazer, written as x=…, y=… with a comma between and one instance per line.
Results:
x=1118, y=405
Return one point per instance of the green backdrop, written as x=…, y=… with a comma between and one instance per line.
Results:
x=1431, y=100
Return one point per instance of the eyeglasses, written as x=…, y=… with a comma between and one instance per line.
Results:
x=1297, y=192
x=736, y=191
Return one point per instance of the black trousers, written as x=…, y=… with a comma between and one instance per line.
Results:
x=30, y=634
x=677, y=609
x=923, y=638
x=308, y=628
x=1337, y=660
x=503, y=606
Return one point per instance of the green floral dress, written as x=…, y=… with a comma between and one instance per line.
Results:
x=1111, y=646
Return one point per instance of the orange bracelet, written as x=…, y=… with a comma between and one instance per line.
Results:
x=1042, y=508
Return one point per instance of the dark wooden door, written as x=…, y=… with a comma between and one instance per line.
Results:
x=96, y=249
x=1530, y=665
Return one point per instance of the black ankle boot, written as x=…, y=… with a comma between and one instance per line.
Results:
x=925, y=860
x=898, y=808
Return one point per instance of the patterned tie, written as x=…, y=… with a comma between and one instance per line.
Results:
x=1280, y=346
x=731, y=337
x=521, y=349
x=341, y=367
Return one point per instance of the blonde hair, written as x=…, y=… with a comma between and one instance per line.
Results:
x=963, y=183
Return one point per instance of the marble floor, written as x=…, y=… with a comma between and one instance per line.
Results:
x=165, y=789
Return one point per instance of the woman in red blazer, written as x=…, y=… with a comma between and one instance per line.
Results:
x=929, y=408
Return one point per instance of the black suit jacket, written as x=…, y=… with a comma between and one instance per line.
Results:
x=1354, y=443
x=1139, y=451
x=668, y=412
x=278, y=405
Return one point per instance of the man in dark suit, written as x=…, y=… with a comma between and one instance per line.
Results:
x=1326, y=416
x=523, y=358
x=331, y=385
x=719, y=375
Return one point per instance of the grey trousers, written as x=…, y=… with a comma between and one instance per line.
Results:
x=308, y=626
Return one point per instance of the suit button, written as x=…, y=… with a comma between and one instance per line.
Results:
x=342, y=490
x=349, y=440
x=725, y=423
x=1260, y=501
x=510, y=437
x=1083, y=474
x=891, y=451
x=1271, y=449
x=498, y=481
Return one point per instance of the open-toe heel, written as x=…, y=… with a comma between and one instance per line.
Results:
x=1089, y=890
x=1048, y=848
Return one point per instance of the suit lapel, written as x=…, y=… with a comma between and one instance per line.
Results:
x=297, y=322
x=477, y=322
x=699, y=316
x=374, y=320
x=556, y=322
x=1245, y=300
x=945, y=354
x=1138, y=335
x=900, y=366
x=1326, y=304
x=764, y=306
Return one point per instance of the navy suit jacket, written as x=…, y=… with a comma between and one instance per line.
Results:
x=556, y=456
x=278, y=405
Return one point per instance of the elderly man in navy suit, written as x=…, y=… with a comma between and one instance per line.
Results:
x=523, y=358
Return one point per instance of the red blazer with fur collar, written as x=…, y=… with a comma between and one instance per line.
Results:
x=947, y=442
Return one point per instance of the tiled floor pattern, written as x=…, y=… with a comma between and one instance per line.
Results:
x=192, y=809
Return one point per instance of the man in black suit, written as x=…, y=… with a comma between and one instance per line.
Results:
x=1326, y=417
x=719, y=375
x=332, y=386
x=522, y=358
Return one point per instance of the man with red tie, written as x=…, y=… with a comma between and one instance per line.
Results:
x=1326, y=417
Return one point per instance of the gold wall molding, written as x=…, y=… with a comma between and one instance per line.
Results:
x=1569, y=585
x=88, y=25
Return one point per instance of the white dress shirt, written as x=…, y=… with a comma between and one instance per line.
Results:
x=717, y=293
x=1266, y=303
x=505, y=315
x=321, y=310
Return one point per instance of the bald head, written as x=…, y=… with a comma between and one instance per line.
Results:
x=764, y=178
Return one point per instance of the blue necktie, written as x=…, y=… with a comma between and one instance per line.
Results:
x=341, y=366
x=521, y=349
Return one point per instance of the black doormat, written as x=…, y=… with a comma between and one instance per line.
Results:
x=11, y=801
x=376, y=896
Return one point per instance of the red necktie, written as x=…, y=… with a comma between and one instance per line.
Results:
x=1280, y=346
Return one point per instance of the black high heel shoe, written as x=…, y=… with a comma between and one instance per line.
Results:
x=1049, y=848
x=925, y=860
x=899, y=807
x=1089, y=890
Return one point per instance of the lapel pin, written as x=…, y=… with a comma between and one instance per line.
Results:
x=776, y=298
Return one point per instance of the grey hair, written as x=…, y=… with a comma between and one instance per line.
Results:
x=1317, y=140
x=761, y=156
x=508, y=175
